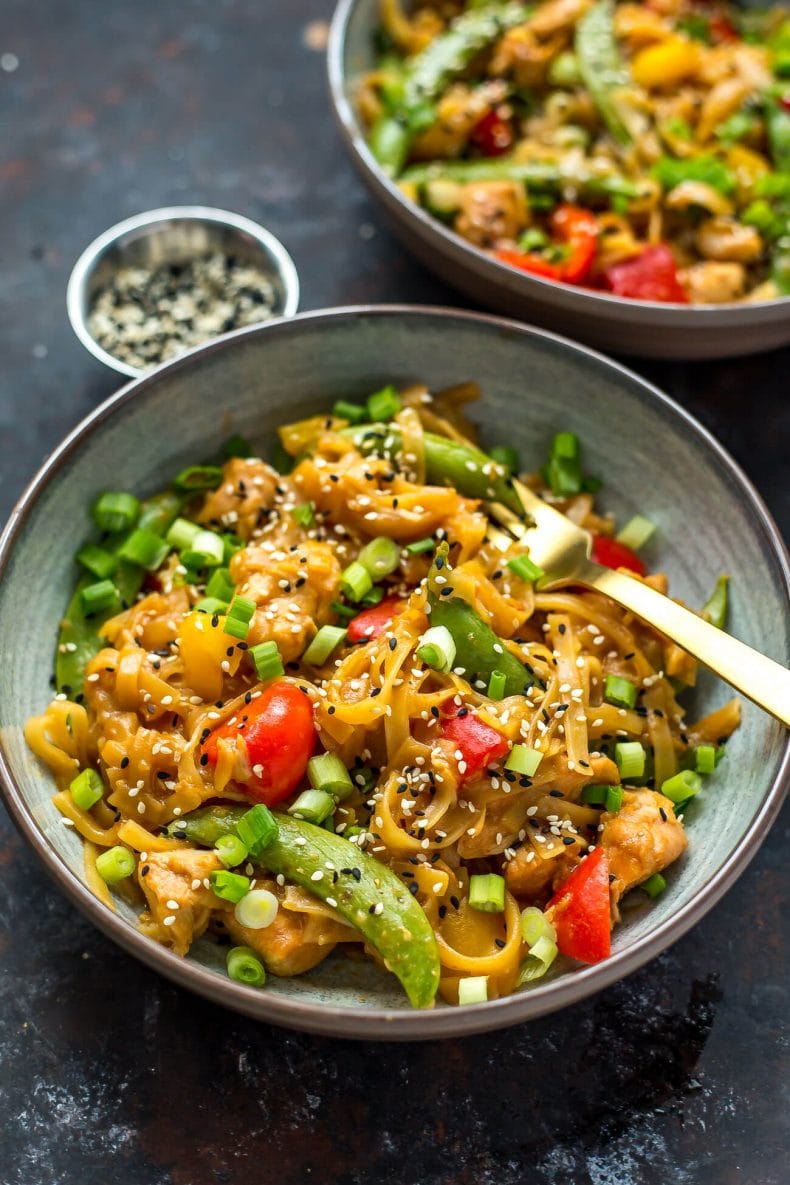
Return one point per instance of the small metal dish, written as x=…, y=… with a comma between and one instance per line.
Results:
x=174, y=235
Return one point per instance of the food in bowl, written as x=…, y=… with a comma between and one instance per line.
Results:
x=315, y=707
x=640, y=150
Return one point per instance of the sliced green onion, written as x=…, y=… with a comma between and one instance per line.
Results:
x=344, y=612
x=383, y=405
x=230, y=886
x=326, y=640
x=614, y=799
x=100, y=563
x=237, y=623
x=619, y=691
x=304, y=514
x=538, y=961
x=206, y=550
x=99, y=597
x=610, y=797
x=630, y=758
x=564, y=470
x=487, y=892
x=505, y=456
x=715, y=608
x=353, y=412
x=525, y=569
x=198, y=477
x=496, y=685
x=654, y=884
x=115, y=865
x=244, y=966
x=364, y=778
x=327, y=772
x=420, y=546
x=268, y=661
x=437, y=648
x=220, y=585
x=523, y=760
x=115, y=511
x=144, y=548
x=257, y=829
x=211, y=605
x=355, y=581
x=230, y=545
x=257, y=909
x=373, y=597
x=381, y=557
x=237, y=446
x=683, y=785
x=314, y=806
x=473, y=989
x=535, y=925
x=705, y=759
x=86, y=789
x=636, y=532
x=231, y=850
x=181, y=533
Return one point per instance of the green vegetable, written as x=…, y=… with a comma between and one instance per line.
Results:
x=355, y=581
x=535, y=925
x=86, y=789
x=505, y=456
x=654, y=884
x=313, y=805
x=211, y=605
x=353, y=412
x=237, y=446
x=636, y=532
x=101, y=597
x=115, y=511
x=230, y=886
x=381, y=557
x=670, y=172
x=564, y=70
x=682, y=786
x=487, y=892
x=695, y=26
x=525, y=569
x=181, y=533
x=240, y=612
x=605, y=72
x=705, y=759
x=304, y=514
x=715, y=608
x=619, y=691
x=144, y=548
x=323, y=644
x=473, y=989
x=420, y=546
x=523, y=760
x=257, y=828
x=100, y=563
x=198, y=477
x=383, y=404
x=327, y=772
x=244, y=966
x=437, y=649
x=268, y=661
x=231, y=850
x=207, y=550
x=220, y=585
x=610, y=797
x=496, y=685
x=630, y=758
x=115, y=864
x=535, y=175
x=538, y=961
x=777, y=122
x=738, y=125
x=378, y=904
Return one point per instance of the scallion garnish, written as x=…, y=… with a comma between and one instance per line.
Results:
x=245, y=967
x=211, y=605
x=355, y=581
x=220, y=585
x=231, y=850
x=144, y=548
x=538, y=961
x=237, y=446
x=86, y=789
x=383, y=405
x=630, y=758
x=682, y=786
x=715, y=608
x=564, y=469
x=304, y=514
x=314, y=806
x=206, y=550
x=198, y=477
x=380, y=557
x=257, y=828
x=523, y=760
x=327, y=772
x=372, y=597
x=237, y=622
x=181, y=533
x=420, y=546
x=496, y=685
x=115, y=864
x=487, y=892
x=636, y=532
x=257, y=909
x=654, y=884
x=523, y=567
x=115, y=511
x=326, y=640
x=353, y=412
x=705, y=759
x=100, y=563
x=230, y=886
x=473, y=989
x=506, y=456
x=100, y=597
x=230, y=545
x=619, y=691
x=268, y=661
x=437, y=648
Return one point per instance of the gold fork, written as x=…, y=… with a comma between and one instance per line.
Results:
x=562, y=550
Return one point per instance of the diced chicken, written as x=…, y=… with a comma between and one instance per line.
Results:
x=247, y=490
x=528, y=878
x=713, y=283
x=725, y=239
x=295, y=941
x=458, y=112
x=174, y=887
x=492, y=211
x=641, y=838
x=557, y=16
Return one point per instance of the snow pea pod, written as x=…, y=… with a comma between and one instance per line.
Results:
x=605, y=72
x=538, y=175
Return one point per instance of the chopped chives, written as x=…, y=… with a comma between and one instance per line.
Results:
x=229, y=886
x=314, y=806
x=304, y=514
x=115, y=511
x=487, y=892
x=523, y=760
x=383, y=405
x=231, y=850
x=564, y=471
x=100, y=597
x=619, y=691
x=506, y=456
x=496, y=685
x=237, y=622
x=630, y=758
x=636, y=532
x=420, y=546
x=198, y=477
x=326, y=640
x=144, y=548
x=654, y=884
x=206, y=550
x=523, y=567
x=181, y=533
x=257, y=828
x=237, y=446
x=683, y=785
x=540, y=958
x=373, y=597
x=355, y=581
x=211, y=605
x=705, y=759
x=437, y=648
x=230, y=545
x=473, y=989
x=327, y=772
x=115, y=864
x=535, y=925
x=86, y=789
x=100, y=563
x=244, y=966
x=381, y=557
x=268, y=661
x=353, y=412
x=614, y=799
x=220, y=585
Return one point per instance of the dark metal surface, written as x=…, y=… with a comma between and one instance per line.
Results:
x=106, y=1071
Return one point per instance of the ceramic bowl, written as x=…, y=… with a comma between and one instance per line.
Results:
x=644, y=328
x=250, y=382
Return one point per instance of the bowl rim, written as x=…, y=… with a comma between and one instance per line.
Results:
x=385, y=1023
x=643, y=313
x=282, y=264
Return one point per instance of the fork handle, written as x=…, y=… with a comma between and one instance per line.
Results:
x=756, y=676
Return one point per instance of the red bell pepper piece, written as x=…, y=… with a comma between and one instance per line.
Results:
x=653, y=275
x=784, y=102
x=528, y=261
x=581, y=911
x=575, y=229
x=371, y=623
x=279, y=733
x=611, y=554
x=477, y=742
x=492, y=134
x=722, y=29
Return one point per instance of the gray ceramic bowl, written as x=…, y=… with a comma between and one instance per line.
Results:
x=624, y=326
x=533, y=382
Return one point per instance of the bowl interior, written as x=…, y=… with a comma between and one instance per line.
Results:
x=653, y=458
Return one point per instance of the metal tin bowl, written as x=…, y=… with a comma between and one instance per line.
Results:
x=641, y=327
x=174, y=235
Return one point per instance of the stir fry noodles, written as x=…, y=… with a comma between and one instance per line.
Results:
x=638, y=149
x=312, y=707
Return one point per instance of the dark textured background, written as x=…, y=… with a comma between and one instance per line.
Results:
x=678, y=1075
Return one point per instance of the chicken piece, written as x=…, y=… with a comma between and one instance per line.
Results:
x=295, y=941
x=529, y=879
x=524, y=57
x=641, y=838
x=292, y=589
x=557, y=16
x=725, y=239
x=492, y=211
x=248, y=489
x=177, y=877
x=720, y=102
x=713, y=283
x=639, y=25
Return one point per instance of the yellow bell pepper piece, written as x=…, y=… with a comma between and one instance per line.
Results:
x=747, y=167
x=203, y=649
x=661, y=67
